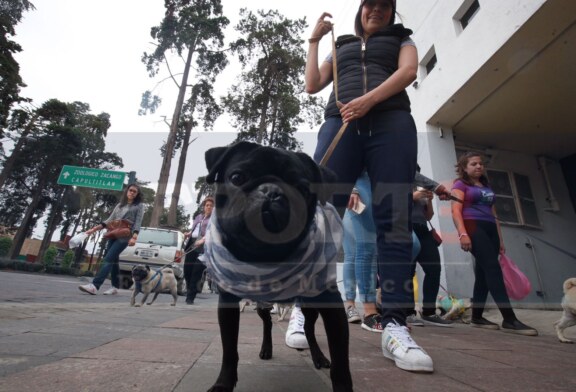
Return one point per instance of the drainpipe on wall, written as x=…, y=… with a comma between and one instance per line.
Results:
x=552, y=201
x=541, y=293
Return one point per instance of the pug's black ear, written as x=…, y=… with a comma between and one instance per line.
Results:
x=148, y=267
x=216, y=158
x=324, y=178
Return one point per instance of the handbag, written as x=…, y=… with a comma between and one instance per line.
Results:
x=517, y=284
x=119, y=228
x=437, y=237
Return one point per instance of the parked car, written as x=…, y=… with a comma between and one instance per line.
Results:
x=157, y=248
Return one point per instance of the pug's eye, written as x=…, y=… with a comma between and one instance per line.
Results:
x=237, y=179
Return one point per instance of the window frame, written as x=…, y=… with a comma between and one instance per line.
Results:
x=516, y=198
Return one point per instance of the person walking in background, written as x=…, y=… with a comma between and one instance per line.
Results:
x=193, y=268
x=130, y=209
x=474, y=216
x=428, y=257
x=360, y=268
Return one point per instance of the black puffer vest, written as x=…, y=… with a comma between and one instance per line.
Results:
x=364, y=65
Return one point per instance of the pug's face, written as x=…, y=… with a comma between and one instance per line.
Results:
x=140, y=272
x=265, y=198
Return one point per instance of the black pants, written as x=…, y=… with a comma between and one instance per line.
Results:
x=193, y=269
x=429, y=260
x=489, y=279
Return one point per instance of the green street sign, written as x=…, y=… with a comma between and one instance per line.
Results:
x=91, y=178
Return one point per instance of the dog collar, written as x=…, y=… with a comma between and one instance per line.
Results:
x=308, y=271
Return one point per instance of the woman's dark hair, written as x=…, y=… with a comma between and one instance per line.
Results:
x=461, y=168
x=358, y=29
x=137, y=199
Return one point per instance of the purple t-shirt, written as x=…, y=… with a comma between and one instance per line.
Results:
x=478, y=201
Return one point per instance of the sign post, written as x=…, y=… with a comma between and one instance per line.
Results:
x=92, y=178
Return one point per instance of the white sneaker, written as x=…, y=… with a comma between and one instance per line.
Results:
x=111, y=291
x=398, y=345
x=295, y=337
x=88, y=288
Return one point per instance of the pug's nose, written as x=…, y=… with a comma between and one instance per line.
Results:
x=272, y=192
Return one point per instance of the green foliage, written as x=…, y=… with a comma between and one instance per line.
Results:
x=68, y=259
x=5, y=244
x=11, y=12
x=269, y=102
x=182, y=218
x=50, y=256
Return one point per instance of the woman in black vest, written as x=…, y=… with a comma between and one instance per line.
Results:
x=374, y=67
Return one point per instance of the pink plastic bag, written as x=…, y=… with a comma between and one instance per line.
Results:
x=517, y=284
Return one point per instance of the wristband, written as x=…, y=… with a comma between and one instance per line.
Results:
x=314, y=40
x=462, y=235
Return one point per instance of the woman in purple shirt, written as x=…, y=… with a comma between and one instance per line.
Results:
x=479, y=232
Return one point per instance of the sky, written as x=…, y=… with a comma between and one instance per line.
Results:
x=90, y=51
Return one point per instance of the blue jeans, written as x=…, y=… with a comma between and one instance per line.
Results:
x=384, y=144
x=110, y=264
x=359, y=245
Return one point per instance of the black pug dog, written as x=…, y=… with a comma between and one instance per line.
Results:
x=274, y=238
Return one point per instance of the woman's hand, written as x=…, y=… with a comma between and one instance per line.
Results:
x=322, y=27
x=355, y=109
x=421, y=194
x=353, y=201
x=199, y=242
x=502, y=247
x=465, y=243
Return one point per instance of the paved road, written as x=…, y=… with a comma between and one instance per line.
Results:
x=55, y=338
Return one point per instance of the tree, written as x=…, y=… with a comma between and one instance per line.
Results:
x=11, y=12
x=201, y=101
x=64, y=134
x=193, y=27
x=269, y=102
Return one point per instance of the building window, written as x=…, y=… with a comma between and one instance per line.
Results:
x=465, y=14
x=515, y=202
x=431, y=64
x=429, y=61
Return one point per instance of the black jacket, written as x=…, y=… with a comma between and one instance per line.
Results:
x=364, y=65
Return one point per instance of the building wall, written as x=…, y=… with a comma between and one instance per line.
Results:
x=461, y=55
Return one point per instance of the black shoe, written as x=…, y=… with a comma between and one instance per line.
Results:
x=483, y=323
x=189, y=302
x=519, y=328
x=436, y=321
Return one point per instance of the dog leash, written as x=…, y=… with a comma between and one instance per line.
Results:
x=338, y=136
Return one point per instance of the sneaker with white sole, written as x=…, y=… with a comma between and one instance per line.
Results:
x=398, y=345
x=353, y=315
x=88, y=288
x=295, y=337
x=414, y=321
x=111, y=291
x=436, y=321
x=373, y=323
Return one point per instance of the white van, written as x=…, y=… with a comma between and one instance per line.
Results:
x=157, y=248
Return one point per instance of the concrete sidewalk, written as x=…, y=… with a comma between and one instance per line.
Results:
x=100, y=343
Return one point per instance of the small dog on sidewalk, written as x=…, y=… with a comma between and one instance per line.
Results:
x=568, y=318
x=147, y=281
x=273, y=238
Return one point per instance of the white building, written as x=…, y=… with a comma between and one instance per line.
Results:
x=498, y=76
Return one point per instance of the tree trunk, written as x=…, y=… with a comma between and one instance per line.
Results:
x=9, y=162
x=20, y=235
x=53, y=222
x=179, y=175
x=158, y=206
